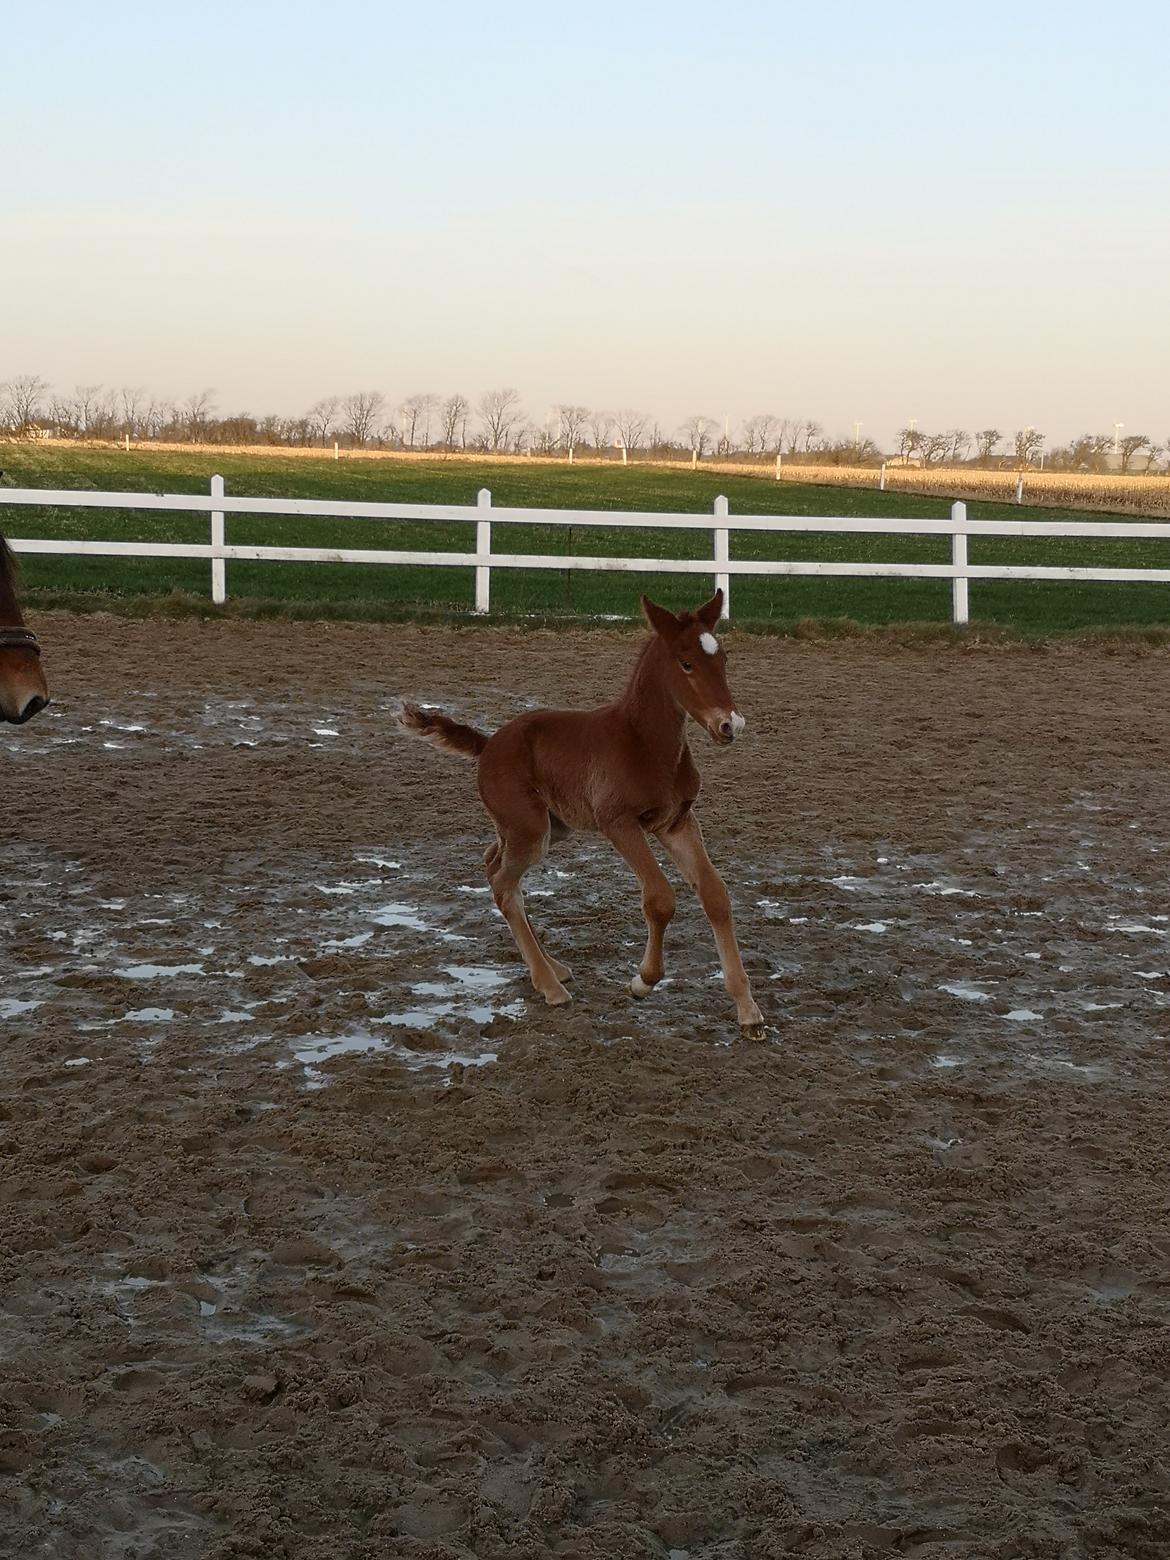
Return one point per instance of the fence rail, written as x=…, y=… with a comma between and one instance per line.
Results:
x=721, y=566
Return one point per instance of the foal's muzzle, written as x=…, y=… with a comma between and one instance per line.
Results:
x=726, y=728
x=34, y=707
x=15, y=711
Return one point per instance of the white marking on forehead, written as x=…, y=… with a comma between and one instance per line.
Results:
x=709, y=643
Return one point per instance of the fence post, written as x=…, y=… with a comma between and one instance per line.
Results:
x=218, y=566
x=722, y=554
x=483, y=546
x=625, y=462
x=1020, y=488
x=959, y=561
x=882, y=483
x=336, y=456
x=779, y=459
x=694, y=458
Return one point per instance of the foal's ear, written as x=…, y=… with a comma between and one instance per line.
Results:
x=708, y=613
x=661, y=619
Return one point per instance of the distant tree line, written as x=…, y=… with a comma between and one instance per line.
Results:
x=989, y=447
x=497, y=423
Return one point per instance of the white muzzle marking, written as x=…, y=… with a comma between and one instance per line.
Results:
x=737, y=723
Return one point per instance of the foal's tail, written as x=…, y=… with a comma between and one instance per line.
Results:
x=441, y=731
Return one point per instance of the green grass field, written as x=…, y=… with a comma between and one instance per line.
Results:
x=373, y=591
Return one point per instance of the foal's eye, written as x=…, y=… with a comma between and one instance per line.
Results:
x=686, y=666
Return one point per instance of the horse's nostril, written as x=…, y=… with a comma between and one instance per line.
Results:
x=726, y=729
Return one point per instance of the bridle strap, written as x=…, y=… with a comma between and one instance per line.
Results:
x=19, y=639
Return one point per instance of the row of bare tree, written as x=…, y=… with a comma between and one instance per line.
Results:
x=1091, y=452
x=497, y=423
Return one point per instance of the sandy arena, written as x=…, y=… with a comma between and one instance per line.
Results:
x=320, y=1239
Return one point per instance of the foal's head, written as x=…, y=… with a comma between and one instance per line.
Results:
x=696, y=665
x=23, y=692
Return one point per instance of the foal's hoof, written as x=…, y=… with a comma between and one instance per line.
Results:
x=561, y=971
x=639, y=988
x=558, y=998
x=754, y=1031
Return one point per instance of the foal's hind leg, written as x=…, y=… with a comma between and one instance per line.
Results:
x=492, y=857
x=507, y=863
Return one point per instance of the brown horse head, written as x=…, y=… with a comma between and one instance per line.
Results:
x=695, y=665
x=23, y=690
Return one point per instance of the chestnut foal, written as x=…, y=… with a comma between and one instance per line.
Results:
x=623, y=771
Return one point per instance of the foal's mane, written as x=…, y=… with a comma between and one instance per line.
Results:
x=9, y=568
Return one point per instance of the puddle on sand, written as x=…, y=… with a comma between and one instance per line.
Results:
x=157, y=971
x=467, y=993
x=945, y=890
x=1108, y=1291
x=408, y=917
x=426, y=1018
x=965, y=991
x=348, y=885
x=322, y=1048
x=466, y=980
x=1091, y=1072
x=336, y=944
x=228, y=1317
x=420, y=1018
x=258, y=1327
x=13, y=1007
x=134, y=1016
x=396, y=914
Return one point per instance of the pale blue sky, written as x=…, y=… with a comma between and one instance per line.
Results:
x=838, y=210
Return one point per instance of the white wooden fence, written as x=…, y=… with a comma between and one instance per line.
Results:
x=721, y=565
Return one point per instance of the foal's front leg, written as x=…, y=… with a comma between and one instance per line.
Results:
x=629, y=840
x=685, y=844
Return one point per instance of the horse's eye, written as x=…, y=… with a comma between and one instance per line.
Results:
x=686, y=666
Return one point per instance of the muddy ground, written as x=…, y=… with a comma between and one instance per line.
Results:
x=320, y=1239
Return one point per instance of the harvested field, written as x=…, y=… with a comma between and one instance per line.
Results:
x=321, y=1240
